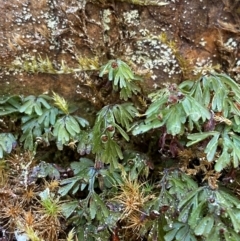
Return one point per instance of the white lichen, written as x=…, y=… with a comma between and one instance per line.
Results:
x=131, y=18
x=106, y=19
x=231, y=44
x=153, y=54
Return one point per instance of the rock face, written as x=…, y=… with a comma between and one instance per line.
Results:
x=58, y=45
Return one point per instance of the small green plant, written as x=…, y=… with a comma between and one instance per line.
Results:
x=172, y=108
x=114, y=189
x=7, y=143
x=42, y=121
x=41, y=65
x=221, y=95
x=208, y=107
x=38, y=118
x=33, y=64
x=51, y=206
x=71, y=235
x=109, y=122
x=32, y=235
x=91, y=211
x=9, y=104
x=203, y=211
x=122, y=76
x=67, y=126
x=51, y=211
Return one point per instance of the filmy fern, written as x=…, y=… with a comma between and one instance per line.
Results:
x=203, y=211
x=173, y=109
x=206, y=108
x=122, y=77
x=110, y=120
x=7, y=143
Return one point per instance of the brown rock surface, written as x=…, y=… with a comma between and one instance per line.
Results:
x=172, y=41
